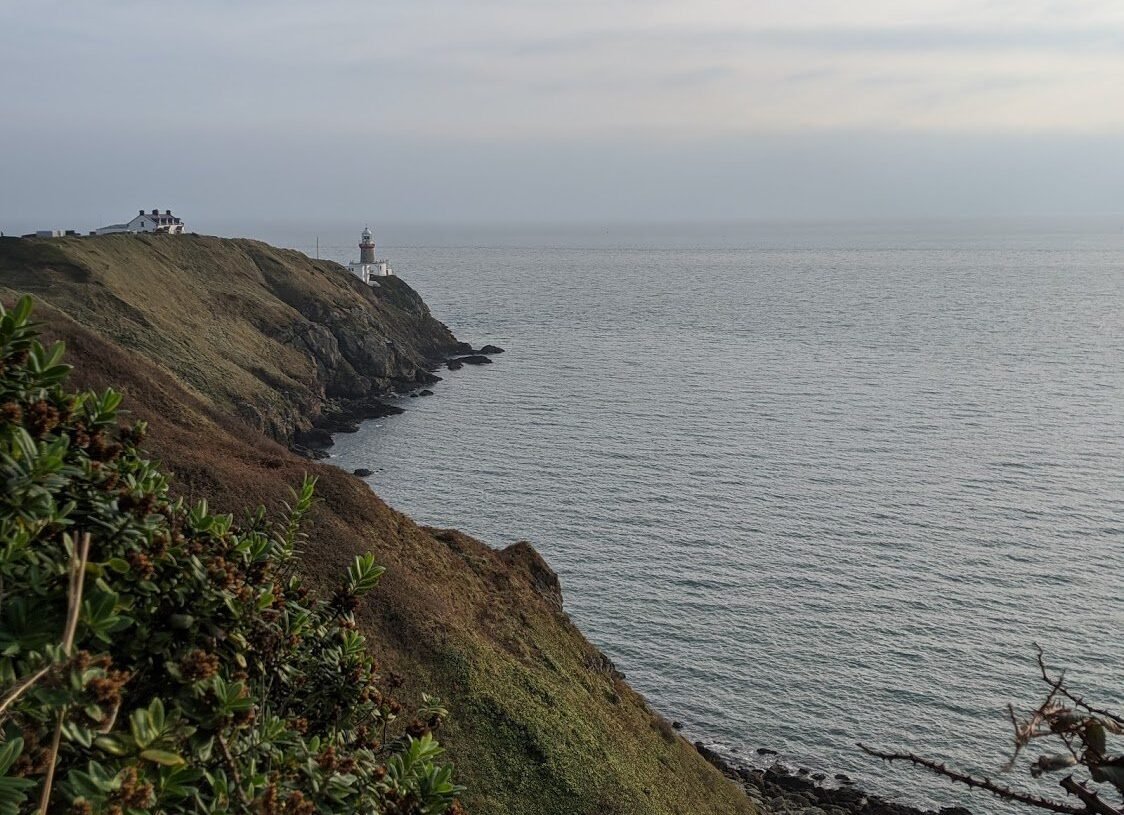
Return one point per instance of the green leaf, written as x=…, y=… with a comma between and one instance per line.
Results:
x=9, y=752
x=1095, y=737
x=113, y=745
x=118, y=565
x=162, y=757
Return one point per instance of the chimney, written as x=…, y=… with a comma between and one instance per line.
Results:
x=155, y=212
x=141, y=212
x=167, y=212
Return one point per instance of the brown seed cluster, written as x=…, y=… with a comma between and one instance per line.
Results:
x=198, y=665
x=133, y=793
x=42, y=418
x=107, y=689
x=142, y=565
x=327, y=759
x=11, y=412
x=224, y=573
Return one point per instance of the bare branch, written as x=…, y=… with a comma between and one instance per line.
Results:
x=1093, y=802
x=1077, y=700
x=999, y=790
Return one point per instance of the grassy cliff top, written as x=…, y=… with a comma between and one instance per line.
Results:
x=266, y=333
x=188, y=328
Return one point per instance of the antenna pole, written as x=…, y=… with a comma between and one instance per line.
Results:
x=318, y=247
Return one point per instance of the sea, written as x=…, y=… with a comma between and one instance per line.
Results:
x=806, y=484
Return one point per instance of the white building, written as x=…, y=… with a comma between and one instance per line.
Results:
x=147, y=222
x=367, y=268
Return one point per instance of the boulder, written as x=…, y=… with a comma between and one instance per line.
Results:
x=475, y=359
x=454, y=364
x=362, y=472
x=490, y=349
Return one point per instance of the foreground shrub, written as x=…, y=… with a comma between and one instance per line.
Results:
x=155, y=657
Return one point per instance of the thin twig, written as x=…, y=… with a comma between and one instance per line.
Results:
x=982, y=783
x=20, y=689
x=77, y=582
x=48, y=781
x=233, y=768
x=74, y=609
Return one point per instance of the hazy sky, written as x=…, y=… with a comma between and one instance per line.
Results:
x=531, y=110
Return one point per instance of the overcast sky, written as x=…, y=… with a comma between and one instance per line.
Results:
x=447, y=110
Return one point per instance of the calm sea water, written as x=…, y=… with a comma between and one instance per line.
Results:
x=805, y=484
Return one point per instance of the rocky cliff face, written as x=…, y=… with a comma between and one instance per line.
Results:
x=226, y=347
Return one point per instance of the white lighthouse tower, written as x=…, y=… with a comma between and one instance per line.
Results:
x=368, y=267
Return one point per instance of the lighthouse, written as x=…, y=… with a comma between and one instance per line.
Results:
x=368, y=267
x=366, y=247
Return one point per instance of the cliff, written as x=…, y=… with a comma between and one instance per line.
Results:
x=228, y=347
x=279, y=339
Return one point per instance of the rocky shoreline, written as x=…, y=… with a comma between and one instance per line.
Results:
x=779, y=790
x=345, y=415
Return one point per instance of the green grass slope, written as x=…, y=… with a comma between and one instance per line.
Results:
x=541, y=723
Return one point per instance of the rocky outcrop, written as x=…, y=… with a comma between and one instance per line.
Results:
x=524, y=557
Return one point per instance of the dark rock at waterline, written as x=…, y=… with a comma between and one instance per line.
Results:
x=792, y=783
x=316, y=438
x=714, y=759
x=677, y=725
x=778, y=790
x=490, y=349
x=425, y=392
x=474, y=359
x=337, y=424
x=413, y=396
x=344, y=417
x=454, y=364
x=765, y=751
x=307, y=452
x=463, y=348
x=362, y=472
